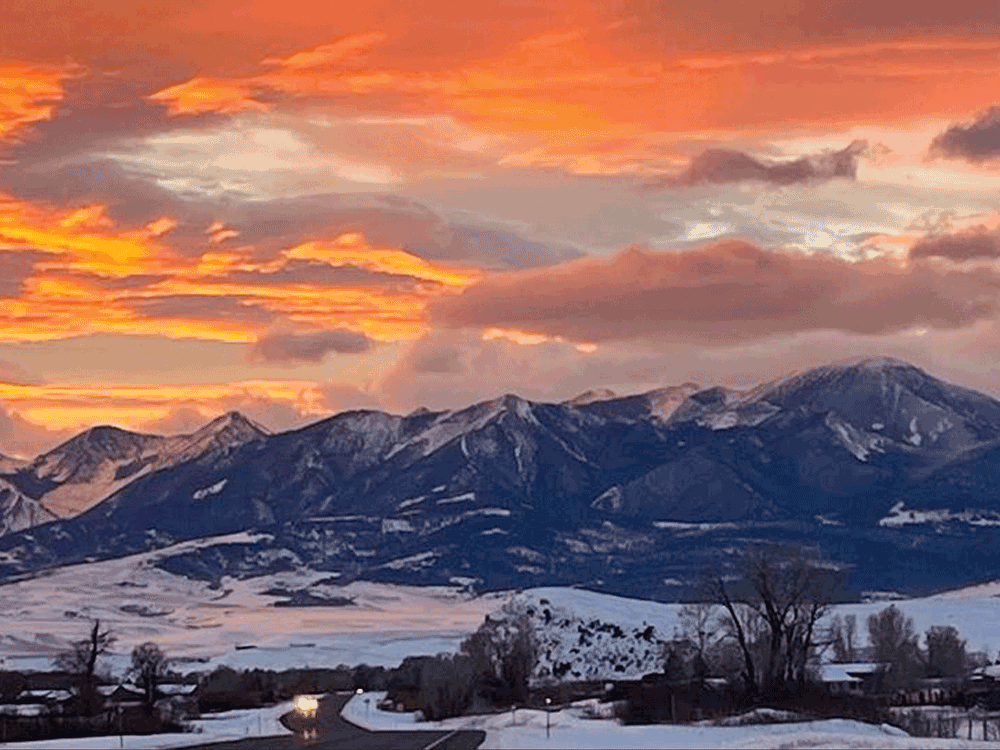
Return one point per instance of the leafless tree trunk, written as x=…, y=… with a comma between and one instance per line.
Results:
x=81, y=661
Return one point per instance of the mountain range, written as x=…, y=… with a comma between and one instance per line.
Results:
x=887, y=471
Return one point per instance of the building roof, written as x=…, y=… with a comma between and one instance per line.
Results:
x=23, y=709
x=47, y=694
x=991, y=671
x=176, y=689
x=851, y=672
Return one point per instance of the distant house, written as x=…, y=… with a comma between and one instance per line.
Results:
x=50, y=697
x=175, y=688
x=25, y=709
x=124, y=694
x=854, y=678
x=983, y=687
x=36, y=702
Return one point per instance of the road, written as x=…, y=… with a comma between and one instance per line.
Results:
x=333, y=733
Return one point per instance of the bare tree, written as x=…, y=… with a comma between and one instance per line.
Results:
x=503, y=651
x=738, y=622
x=149, y=667
x=946, y=656
x=894, y=644
x=700, y=626
x=851, y=638
x=790, y=593
x=81, y=660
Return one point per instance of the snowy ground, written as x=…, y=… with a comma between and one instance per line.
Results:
x=574, y=627
x=202, y=626
x=570, y=729
x=230, y=725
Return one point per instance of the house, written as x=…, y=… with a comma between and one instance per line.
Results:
x=37, y=702
x=853, y=678
x=175, y=688
x=122, y=695
x=983, y=687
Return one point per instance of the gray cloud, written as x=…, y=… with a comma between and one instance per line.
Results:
x=338, y=397
x=313, y=346
x=15, y=267
x=976, y=141
x=320, y=274
x=727, y=292
x=446, y=359
x=716, y=166
x=14, y=374
x=969, y=245
x=23, y=438
x=200, y=307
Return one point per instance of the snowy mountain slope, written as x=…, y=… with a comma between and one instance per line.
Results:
x=9, y=464
x=85, y=469
x=632, y=494
x=18, y=512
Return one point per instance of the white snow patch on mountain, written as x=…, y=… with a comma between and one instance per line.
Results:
x=828, y=521
x=396, y=524
x=860, y=444
x=901, y=516
x=19, y=512
x=685, y=526
x=590, y=396
x=412, y=562
x=411, y=501
x=214, y=489
x=457, y=498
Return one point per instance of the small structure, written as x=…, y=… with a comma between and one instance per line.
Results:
x=124, y=694
x=983, y=687
x=854, y=678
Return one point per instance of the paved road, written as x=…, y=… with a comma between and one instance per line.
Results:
x=333, y=733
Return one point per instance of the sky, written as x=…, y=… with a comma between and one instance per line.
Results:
x=293, y=208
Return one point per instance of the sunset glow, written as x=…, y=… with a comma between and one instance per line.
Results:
x=306, y=208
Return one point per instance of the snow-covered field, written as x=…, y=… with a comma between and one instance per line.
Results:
x=230, y=725
x=202, y=626
x=570, y=728
x=191, y=621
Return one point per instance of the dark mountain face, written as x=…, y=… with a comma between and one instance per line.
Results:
x=638, y=494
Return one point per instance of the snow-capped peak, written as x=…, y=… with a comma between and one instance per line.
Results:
x=231, y=424
x=589, y=396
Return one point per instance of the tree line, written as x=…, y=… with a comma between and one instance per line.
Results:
x=770, y=628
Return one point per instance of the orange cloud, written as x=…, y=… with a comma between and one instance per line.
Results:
x=29, y=94
x=327, y=54
x=574, y=89
x=81, y=238
x=78, y=405
x=77, y=258
x=208, y=95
